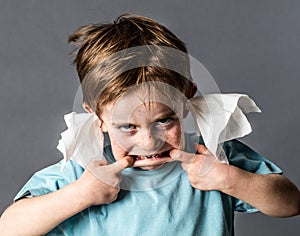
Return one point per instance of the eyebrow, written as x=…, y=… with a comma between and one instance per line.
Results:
x=163, y=115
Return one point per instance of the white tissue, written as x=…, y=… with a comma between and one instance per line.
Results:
x=83, y=139
x=220, y=117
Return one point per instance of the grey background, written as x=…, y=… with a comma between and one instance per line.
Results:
x=248, y=46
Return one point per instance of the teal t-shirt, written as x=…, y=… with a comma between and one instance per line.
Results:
x=158, y=202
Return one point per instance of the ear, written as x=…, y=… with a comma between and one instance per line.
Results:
x=193, y=90
x=185, y=112
x=192, y=93
x=103, y=127
x=87, y=108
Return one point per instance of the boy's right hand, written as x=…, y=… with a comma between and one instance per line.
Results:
x=99, y=182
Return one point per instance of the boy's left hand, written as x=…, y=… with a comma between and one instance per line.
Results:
x=272, y=194
x=204, y=171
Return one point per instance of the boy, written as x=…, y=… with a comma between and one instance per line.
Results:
x=168, y=187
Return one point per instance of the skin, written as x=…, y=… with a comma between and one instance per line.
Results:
x=272, y=194
x=147, y=130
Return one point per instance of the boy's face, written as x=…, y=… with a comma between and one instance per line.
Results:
x=146, y=129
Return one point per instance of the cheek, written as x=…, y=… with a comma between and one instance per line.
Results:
x=174, y=136
x=118, y=149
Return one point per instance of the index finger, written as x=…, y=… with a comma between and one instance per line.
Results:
x=182, y=156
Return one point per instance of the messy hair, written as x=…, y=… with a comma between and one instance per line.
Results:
x=111, y=58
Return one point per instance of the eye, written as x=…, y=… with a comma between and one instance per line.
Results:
x=165, y=121
x=127, y=128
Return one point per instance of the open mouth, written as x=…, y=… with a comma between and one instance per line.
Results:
x=155, y=156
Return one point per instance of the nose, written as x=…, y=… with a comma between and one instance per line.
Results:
x=150, y=140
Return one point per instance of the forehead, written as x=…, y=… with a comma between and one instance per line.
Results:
x=147, y=110
x=144, y=100
x=148, y=92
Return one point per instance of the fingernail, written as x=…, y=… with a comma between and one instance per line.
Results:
x=130, y=161
x=175, y=154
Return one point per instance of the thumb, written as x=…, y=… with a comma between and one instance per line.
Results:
x=110, y=174
x=202, y=149
x=182, y=156
x=122, y=164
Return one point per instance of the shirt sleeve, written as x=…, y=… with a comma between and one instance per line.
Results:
x=50, y=179
x=242, y=156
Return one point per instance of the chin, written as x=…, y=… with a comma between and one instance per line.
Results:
x=151, y=167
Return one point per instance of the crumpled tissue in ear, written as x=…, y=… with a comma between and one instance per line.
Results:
x=83, y=140
x=221, y=117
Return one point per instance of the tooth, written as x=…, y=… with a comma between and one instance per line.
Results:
x=149, y=156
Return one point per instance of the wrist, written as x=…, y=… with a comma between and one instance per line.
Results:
x=237, y=181
x=82, y=194
x=228, y=180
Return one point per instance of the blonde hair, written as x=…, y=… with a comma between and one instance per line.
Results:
x=109, y=62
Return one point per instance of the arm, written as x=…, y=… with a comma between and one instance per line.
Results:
x=272, y=194
x=38, y=215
